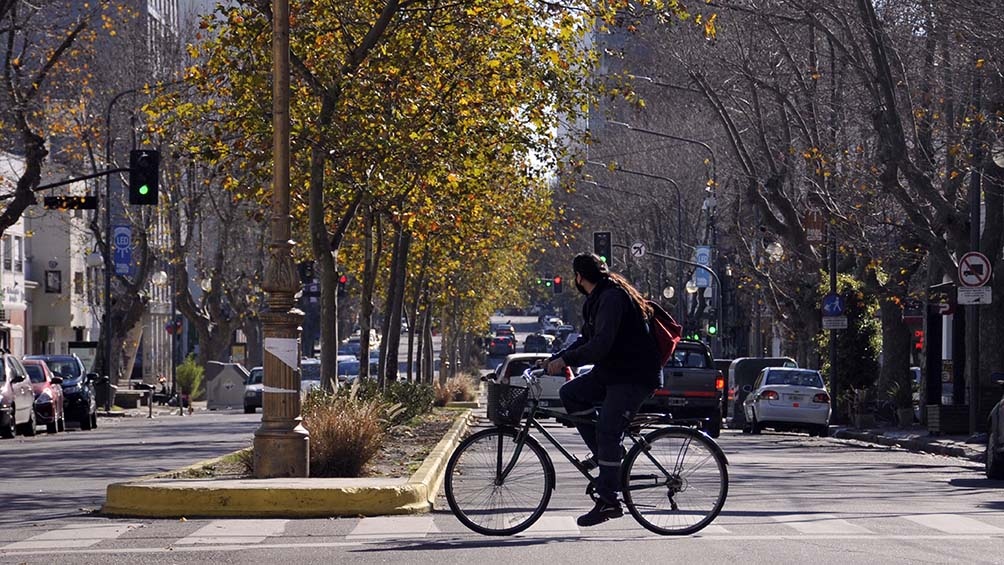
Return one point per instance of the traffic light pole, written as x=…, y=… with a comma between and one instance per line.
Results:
x=716, y=349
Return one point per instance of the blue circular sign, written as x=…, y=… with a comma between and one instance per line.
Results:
x=833, y=305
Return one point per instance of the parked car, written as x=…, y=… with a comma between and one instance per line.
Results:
x=785, y=398
x=79, y=399
x=253, y=390
x=501, y=345
x=537, y=343
x=505, y=329
x=17, y=411
x=48, y=391
x=742, y=373
x=994, y=462
x=310, y=375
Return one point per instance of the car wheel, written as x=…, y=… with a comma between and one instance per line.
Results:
x=94, y=420
x=52, y=427
x=994, y=460
x=823, y=430
x=62, y=424
x=249, y=409
x=85, y=422
x=28, y=428
x=9, y=430
x=755, y=427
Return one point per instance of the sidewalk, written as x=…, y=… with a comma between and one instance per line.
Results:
x=158, y=410
x=918, y=439
x=157, y=497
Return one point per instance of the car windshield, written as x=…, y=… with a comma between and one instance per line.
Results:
x=795, y=378
x=310, y=371
x=35, y=373
x=688, y=358
x=65, y=367
x=256, y=376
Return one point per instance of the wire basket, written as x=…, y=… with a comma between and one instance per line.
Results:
x=506, y=403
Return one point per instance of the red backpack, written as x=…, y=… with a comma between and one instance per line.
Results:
x=666, y=331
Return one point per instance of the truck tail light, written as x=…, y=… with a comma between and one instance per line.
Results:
x=720, y=382
x=769, y=395
x=821, y=398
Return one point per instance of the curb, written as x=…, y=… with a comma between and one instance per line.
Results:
x=914, y=445
x=157, y=497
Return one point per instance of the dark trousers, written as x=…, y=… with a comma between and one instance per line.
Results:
x=618, y=404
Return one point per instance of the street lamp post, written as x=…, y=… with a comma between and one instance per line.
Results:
x=281, y=443
x=679, y=224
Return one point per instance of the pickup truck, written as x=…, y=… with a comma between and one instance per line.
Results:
x=691, y=387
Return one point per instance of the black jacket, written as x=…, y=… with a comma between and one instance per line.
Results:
x=615, y=339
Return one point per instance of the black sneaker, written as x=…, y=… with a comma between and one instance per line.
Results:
x=589, y=463
x=600, y=513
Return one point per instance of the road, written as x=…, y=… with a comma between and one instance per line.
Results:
x=51, y=478
x=792, y=499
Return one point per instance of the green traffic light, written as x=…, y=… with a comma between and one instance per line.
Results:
x=712, y=330
x=144, y=189
x=603, y=258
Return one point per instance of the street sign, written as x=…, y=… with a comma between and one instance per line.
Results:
x=975, y=295
x=815, y=226
x=702, y=256
x=833, y=305
x=122, y=249
x=834, y=322
x=638, y=250
x=974, y=270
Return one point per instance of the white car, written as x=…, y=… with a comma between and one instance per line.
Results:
x=253, y=390
x=785, y=398
x=310, y=375
x=511, y=372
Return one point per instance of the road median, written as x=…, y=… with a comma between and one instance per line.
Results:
x=160, y=497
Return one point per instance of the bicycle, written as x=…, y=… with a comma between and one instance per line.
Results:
x=499, y=480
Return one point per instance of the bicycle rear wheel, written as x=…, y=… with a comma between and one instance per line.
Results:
x=675, y=482
x=487, y=504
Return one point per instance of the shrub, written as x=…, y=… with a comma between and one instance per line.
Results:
x=459, y=388
x=189, y=376
x=346, y=431
x=413, y=399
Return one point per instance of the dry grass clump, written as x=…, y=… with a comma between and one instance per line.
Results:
x=457, y=389
x=346, y=432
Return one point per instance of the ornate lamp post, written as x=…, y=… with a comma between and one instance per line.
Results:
x=281, y=444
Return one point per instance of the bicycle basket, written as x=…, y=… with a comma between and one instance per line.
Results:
x=506, y=403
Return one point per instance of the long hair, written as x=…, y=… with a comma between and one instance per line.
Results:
x=594, y=270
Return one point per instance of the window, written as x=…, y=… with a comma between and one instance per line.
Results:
x=78, y=283
x=18, y=254
x=53, y=282
x=6, y=252
x=795, y=378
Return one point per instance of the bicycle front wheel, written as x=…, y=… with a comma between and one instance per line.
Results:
x=675, y=481
x=488, y=499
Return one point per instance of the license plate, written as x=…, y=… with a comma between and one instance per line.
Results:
x=676, y=401
x=794, y=397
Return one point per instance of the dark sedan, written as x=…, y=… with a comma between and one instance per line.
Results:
x=79, y=404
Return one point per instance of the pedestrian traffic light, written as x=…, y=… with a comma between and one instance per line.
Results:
x=712, y=328
x=602, y=246
x=144, y=172
x=918, y=340
x=306, y=271
x=557, y=285
x=343, y=279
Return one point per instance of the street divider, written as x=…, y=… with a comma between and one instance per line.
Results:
x=158, y=497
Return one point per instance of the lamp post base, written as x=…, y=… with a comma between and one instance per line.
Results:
x=281, y=452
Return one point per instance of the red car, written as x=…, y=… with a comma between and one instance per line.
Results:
x=48, y=391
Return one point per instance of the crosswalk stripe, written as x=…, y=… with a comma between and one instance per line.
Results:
x=713, y=530
x=552, y=526
x=228, y=532
x=76, y=536
x=392, y=527
x=820, y=524
x=954, y=524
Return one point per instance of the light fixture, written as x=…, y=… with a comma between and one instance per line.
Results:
x=668, y=292
x=691, y=287
x=206, y=285
x=95, y=259
x=159, y=278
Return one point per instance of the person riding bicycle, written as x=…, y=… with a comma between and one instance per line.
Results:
x=626, y=370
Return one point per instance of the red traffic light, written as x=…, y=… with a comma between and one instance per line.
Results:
x=343, y=279
x=557, y=280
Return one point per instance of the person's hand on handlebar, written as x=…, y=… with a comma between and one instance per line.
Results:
x=556, y=366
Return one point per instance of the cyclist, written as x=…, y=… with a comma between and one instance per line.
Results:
x=626, y=370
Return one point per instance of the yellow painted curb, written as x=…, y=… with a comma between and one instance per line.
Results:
x=158, y=497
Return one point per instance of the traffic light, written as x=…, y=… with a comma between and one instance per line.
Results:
x=712, y=329
x=918, y=340
x=557, y=285
x=343, y=279
x=144, y=172
x=306, y=271
x=602, y=246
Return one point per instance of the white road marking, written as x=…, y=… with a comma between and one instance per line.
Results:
x=71, y=537
x=713, y=530
x=820, y=524
x=228, y=532
x=548, y=526
x=392, y=527
x=954, y=524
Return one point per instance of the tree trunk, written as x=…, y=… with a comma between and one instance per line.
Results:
x=371, y=260
x=320, y=245
x=414, y=329
x=895, y=369
x=395, y=302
